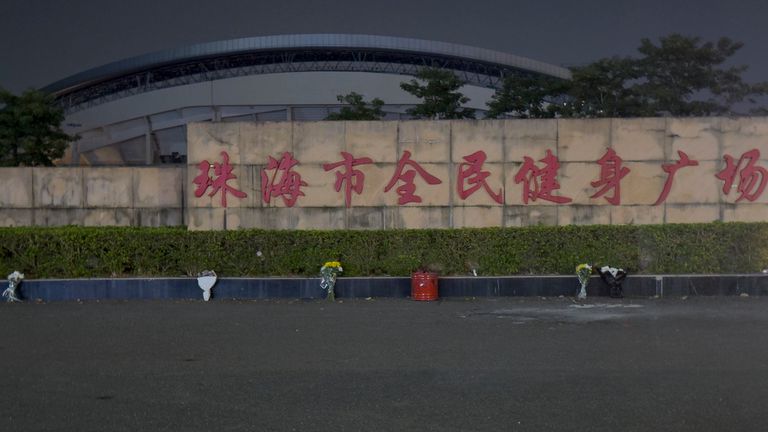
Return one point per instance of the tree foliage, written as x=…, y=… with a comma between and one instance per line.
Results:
x=681, y=76
x=358, y=108
x=684, y=77
x=439, y=95
x=30, y=129
x=526, y=96
x=601, y=89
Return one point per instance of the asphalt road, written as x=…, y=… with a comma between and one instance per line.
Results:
x=495, y=364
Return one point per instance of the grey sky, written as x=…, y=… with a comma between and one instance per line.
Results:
x=42, y=41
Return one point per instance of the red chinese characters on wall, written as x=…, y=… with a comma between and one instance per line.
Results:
x=280, y=179
x=671, y=170
x=222, y=174
x=540, y=182
x=751, y=178
x=611, y=173
x=471, y=174
x=283, y=181
x=351, y=178
x=407, y=191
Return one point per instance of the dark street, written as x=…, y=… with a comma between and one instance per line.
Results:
x=697, y=364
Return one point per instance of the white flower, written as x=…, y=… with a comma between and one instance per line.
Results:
x=612, y=270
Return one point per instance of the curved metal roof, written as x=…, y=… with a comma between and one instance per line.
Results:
x=113, y=78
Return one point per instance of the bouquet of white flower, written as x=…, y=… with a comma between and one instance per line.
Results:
x=613, y=277
x=14, y=279
x=206, y=280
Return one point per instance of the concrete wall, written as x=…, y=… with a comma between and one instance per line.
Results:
x=158, y=196
x=644, y=145
x=92, y=196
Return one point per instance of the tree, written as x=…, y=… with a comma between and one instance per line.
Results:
x=358, y=109
x=683, y=76
x=605, y=88
x=440, y=98
x=527, y=96
x=30, y=129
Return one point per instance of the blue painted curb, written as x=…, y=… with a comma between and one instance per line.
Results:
x=353, y=287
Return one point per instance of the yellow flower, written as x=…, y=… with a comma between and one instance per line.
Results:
x=581, y=267
x=332, y=264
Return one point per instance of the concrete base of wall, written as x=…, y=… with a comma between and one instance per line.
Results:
x=309, y=288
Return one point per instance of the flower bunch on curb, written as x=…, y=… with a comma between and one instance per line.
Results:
x=613, y=277
x=328, y=273
x=14, y=279
x=206, y=280
x=612, y=270
x=583, y=272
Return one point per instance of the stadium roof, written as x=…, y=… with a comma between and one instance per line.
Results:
x=289, y=53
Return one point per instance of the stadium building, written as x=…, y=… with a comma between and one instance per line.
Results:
x=135, y=111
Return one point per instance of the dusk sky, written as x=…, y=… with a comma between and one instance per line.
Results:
x=46, y=40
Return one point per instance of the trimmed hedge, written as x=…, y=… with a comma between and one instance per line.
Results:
x=78, y=252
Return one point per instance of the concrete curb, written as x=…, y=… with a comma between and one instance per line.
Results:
x=354, y=287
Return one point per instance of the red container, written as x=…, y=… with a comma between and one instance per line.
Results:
x=424, y=286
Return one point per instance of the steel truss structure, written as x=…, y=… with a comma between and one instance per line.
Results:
x=291, y=53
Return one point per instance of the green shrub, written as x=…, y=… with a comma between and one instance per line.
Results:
x=77, y=252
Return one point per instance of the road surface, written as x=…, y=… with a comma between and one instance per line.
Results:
x=491, y=364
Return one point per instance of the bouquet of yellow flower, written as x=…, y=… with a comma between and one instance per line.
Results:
x=583, y=272
x=328, y=273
